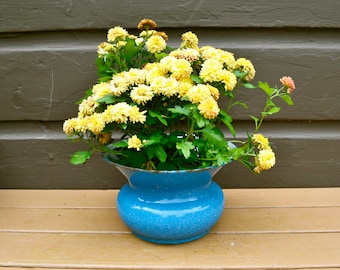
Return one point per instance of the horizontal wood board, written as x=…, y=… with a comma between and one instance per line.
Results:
x=43, y=80
x=47, y=55
x=260, y=229
x=17, y=16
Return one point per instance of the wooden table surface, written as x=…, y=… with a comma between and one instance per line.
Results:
x=260, y=229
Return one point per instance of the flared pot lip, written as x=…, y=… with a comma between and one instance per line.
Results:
x=107, y=159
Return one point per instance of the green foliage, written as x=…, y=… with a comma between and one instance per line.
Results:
x=179, y=123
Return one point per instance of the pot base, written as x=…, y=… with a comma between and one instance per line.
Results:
x=171, y=241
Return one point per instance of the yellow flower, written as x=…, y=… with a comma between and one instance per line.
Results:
x=228, y=78
x=153, y=71
x=104, y=48
x=147, y=24
x=118, y=112
x=95, y=123
x=264, y=160
x=165, y=86
x=209, y=108
x=190, y=40
x=155, y=44
x=136, y=76
x=104, y=138
x=119, y=84
x=261, y=141
x=210, y=70
x=184, y=86
x=166, y=63
x=245, y=65
x=141, y=94
x=116, y=33
x=101, y=89
x=69, y=126
x=135, y=142
x=208, y=52
x=215, y=93
x=198, y=93
x=137, y=116
x=87, y=106
x=226, y=58
x=188, y=54
x=180, y=69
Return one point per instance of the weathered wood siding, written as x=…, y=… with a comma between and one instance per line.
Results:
x=47, y=55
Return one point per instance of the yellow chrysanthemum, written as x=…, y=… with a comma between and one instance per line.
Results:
x=136, y=116
x=95, y=123
x=69, y=126
x=119, y=84
x=188, y=54
x=215, y=93
x=104, y=48
x=245, y=65
x=165, y=86
x=87, y=106
x=118, y=112
x=141, y=94
x=155, y=44
x=226, y=58
x=190, y=40
x=209, y=108
x=260, y=141
x=147, y=24
x=136, y=76
x=180, y=69
x=210, y=70
x=184, y=86
x=135, y=142
x=228, y=78
x=116, y=33
x=101, y=89
x=166, y=63
x=153, y=73
x=198, y=93
x=104, y=138
x=208, y=52
x=264, y=160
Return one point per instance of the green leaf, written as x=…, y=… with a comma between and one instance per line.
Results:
x=214, y=136
x=80, y=157
x=256, y=120
x=108, y=99
x=119, y=144
x=156, y=150
x=266, y=88
x=227, y=120
x=222, y=159
x=272, y=110
x=159, y=116
x=180, y=110
x=249, y=85
x=197, y=79
x=185, y=147
x=244, y=105
x=287, y=99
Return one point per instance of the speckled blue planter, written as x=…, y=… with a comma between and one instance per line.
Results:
x=170, y=207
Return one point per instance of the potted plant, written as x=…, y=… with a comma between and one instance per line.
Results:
x=170, y=108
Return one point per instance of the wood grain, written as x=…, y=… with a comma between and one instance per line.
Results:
x=259, y=229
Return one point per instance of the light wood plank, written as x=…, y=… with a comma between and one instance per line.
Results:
x=256, y=220
x=235, y=198
x=233, y=251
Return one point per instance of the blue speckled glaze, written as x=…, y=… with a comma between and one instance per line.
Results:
x=170, y=207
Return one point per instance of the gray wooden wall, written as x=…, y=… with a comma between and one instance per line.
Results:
x=47, y=56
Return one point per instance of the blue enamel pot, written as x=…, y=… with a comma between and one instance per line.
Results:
x=170, y=207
